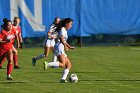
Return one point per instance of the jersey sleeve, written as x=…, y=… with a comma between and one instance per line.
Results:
x=62, y=32
x=1, y=35
x=51, y=28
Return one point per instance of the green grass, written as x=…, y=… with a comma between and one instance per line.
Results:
x=100, y=70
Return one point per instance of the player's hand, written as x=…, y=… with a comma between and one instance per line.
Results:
x=7, y=41
x=53, y=36
x=72, y=47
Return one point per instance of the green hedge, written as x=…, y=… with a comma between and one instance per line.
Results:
x=95, y=40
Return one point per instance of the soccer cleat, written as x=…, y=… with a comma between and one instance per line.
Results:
x=9, y=78
x=45, y=65
x=16, y=67
x=33, y=61
x=63, y=81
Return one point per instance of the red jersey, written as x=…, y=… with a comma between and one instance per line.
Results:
x=5, y=36
x=18, y=30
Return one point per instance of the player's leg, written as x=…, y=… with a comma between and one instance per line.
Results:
x=15, y=57
x=2, y=62
x=62, y=58
x=2, y=55
x=46, y=53
x=9, y=56
x=66, y=70
x=54, y=59
x=59, y=63
x=37, y=58
x=59, y=52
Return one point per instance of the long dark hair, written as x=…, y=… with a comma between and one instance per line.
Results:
x=55, y=20
x=5, y=22
x=63, y=23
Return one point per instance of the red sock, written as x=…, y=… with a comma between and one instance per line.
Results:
x=15, y=59
x=3, y=61
x=9, y=69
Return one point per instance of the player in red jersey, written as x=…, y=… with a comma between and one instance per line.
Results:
x=17, y=29
x=7, y=36
x=19, y=41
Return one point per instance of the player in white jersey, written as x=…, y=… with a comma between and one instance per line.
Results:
x=59, y=50
x=49, y=42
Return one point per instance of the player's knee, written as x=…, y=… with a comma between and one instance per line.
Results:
x=63, y=65
x=15, y=52
x=69, y=66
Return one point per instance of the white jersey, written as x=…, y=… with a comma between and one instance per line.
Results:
x=59, y=47
x=49, y=42
x=53, y=30
x=62, y=32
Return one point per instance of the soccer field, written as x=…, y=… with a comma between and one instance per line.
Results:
x=99, y=69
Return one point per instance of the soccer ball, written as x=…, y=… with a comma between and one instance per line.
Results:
x=73, y=78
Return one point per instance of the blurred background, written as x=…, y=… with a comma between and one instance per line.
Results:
x=96, y=22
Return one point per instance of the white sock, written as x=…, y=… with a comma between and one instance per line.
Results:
x=65, y=73
x=53, y=64
x=8, y=75
x=40, y=56
x=54, y=58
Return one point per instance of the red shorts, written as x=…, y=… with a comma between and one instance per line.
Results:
x=3, y=50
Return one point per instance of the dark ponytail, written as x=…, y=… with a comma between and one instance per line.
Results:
x=5, y=21
x=63, y=23
x=55, y=20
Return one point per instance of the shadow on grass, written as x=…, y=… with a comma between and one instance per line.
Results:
x=11, y=82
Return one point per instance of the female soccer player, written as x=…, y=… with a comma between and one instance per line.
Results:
x=16, y=28
x=60, y=48
x=7, y=36
x=49, y=42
